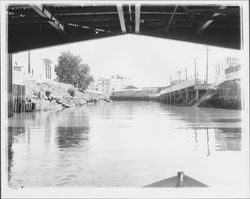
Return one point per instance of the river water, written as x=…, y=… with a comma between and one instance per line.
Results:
x=125, y=144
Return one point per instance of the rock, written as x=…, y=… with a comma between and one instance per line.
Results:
x=59, y=101
x=64, y=104
x=54, y=96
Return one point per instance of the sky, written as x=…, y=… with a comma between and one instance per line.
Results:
x=149, y=61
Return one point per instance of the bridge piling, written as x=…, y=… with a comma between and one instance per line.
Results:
x=186, y=97
x=197, y=95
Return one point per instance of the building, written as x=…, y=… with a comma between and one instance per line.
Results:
x=227, y=69
x=118, y=82
x=101, y=85
x=233, y=72
x=108, y=85
x=145, y=93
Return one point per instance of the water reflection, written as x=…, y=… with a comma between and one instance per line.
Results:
x=68, y=137
x=228, y=139
x=118, y=144
x=225, y=139
x=204, y=117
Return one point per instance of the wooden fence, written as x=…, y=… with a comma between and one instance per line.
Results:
x=19, y=102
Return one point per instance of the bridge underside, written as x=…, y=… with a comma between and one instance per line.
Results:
x=33, y=26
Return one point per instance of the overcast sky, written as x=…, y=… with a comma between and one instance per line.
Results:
x=149, y=61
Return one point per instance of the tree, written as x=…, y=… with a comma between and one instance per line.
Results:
x=70, y=70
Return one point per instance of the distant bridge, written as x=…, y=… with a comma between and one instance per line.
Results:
x=185, y=92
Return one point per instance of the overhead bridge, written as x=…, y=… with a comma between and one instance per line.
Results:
x=33, y=26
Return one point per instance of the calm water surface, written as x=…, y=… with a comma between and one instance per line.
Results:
x=125, y=144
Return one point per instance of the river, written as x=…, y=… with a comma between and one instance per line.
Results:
x=125, y=144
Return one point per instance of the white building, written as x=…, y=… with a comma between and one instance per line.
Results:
x=118, y=82
x=227, y=69
x=103, y=85
x=107, y=85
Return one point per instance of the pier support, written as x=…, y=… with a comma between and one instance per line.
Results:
x=9, y=85
x=197, y=95
x=186, y=97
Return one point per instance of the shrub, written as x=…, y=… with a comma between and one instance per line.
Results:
x=72, y=92
x=47, y=93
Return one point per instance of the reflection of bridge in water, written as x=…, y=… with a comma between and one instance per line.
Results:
x=186, y=92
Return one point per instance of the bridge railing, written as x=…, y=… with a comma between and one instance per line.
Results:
x=176, y=87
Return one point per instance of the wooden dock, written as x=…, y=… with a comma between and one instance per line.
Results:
x=186, y=92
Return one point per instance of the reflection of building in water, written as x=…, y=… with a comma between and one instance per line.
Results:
x=206, y=141
x=228, y=141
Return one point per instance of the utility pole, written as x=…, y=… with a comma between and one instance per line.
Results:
x=186, y=72
x=207, y=68
x=195, y=71
x=28, y=62
x=179, y=73
x=170, y=80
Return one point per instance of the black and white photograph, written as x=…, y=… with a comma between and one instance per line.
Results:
x=125, y=99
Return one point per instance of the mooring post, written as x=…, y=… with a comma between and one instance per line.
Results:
x=180, y=182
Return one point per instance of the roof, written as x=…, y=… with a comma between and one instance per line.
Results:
x=32, y=26
x=130, y=87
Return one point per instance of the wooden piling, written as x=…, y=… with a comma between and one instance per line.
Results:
x=9, y=85
x=186, y=97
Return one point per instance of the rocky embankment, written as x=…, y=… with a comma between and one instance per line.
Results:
x=226, y=95
x=57, y=96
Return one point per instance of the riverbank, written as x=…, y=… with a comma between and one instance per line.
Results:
x=57, y=96
x=227, y=95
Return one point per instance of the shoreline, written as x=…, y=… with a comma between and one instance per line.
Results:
x=226, y=95
x=57, y=96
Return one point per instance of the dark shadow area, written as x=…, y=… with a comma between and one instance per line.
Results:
x=68, y=137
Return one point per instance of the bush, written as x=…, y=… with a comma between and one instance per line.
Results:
x=72, y=92
x=47, y=93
